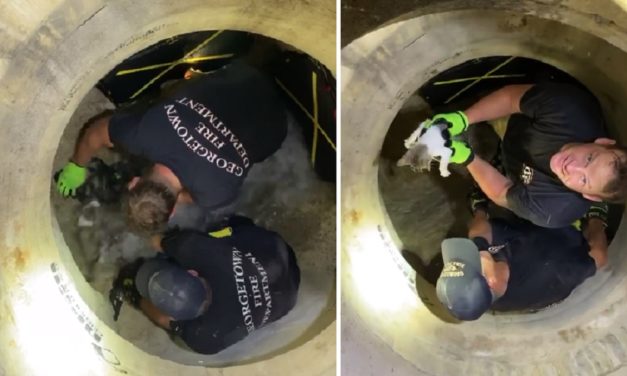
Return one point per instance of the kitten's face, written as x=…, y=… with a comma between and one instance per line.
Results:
x=418, y=157
x=429, y=145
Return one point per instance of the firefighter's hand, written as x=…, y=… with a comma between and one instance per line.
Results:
x=71, y=177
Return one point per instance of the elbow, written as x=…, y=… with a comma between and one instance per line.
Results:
x=499, y=196
x=515, y=94
x=90, y=141
x=97, y=134
x=94, y=139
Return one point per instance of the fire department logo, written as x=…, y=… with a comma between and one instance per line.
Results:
x=495, y=249
x=453, y=269
x=526, y=174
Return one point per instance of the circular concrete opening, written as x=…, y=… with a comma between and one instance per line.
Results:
x=279, y=192
x=52, y=58
x=381, y=70
x=425, y=208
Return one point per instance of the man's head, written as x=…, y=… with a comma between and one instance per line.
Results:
x=179, y=293
x=470, y=280
x=149, y=206
x=597, y=170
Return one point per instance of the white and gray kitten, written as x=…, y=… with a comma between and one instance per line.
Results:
x=425, y=145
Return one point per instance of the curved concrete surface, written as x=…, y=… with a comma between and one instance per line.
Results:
x=584, y=335
x=51, y=321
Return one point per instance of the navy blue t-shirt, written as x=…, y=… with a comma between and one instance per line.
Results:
x=209, y=131
x=552, y=115
x=545, y=264
x=254, y=279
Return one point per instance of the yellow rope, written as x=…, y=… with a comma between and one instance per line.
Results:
x=201, y=45
x=314, y=145
x=190, y=60
x=322, y=132
x=458, y=80
x=480, y=78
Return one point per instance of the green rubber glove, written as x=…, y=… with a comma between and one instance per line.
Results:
x=456, y=122
x=71, y=177
x=462, y=153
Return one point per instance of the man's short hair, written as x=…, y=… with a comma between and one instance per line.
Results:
x=615, y=191
x=149, y=206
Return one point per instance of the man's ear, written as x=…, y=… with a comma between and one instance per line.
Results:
x=172, y=212
x=604, y=141
x=592, y=197
x=133, y=182
x=492, y=282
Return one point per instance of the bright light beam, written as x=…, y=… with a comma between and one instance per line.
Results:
x=51, y=338
x=379, y=281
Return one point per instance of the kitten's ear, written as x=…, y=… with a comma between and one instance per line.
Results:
x=404, y=161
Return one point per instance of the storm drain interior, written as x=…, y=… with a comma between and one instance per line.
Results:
x=584, y=333
x=284, y=194
x=425, y=208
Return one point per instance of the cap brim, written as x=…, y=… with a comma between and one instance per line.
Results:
x=461, y=249
x=147, y=270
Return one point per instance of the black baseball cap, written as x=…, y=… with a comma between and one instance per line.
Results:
x=462, y=288
x=171, y=288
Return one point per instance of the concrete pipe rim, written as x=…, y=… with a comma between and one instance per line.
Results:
x=73, y=50
x=381, y=70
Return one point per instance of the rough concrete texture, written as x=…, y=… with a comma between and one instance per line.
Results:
x=52, y=321
x=360, y=17
x=367, y=355
x=381, y=70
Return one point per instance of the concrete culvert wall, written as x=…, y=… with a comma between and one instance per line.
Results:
x=52, y=321
x=584, y=335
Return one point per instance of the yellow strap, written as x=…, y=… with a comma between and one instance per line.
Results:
x=225, y=232
x=322, y=132
x=458, y=80
x=314, y=145
x=480, y=78
x=190, y=60
x=169, y=68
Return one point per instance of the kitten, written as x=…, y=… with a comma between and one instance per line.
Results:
x=423, y=146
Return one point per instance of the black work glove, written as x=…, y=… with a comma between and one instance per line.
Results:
x=124, y=289
x=461, y=152
x=239, y=220
x=598, y=210
x=126, y=278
